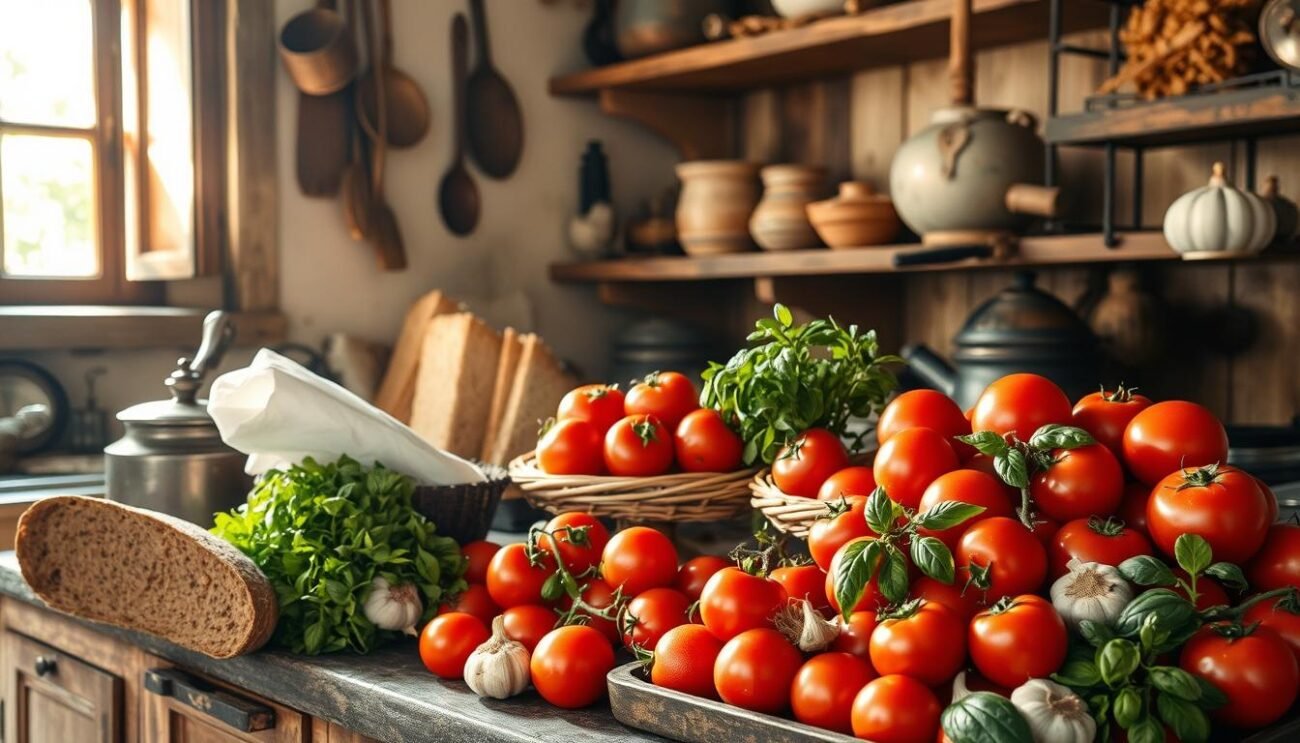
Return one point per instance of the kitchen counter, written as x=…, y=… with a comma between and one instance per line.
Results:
x=386, y=695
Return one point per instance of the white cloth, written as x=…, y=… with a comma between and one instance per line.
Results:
x=279, y=413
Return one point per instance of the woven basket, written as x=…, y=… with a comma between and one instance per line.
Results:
x=684, y=496
x=792, y=514
x=462, y=512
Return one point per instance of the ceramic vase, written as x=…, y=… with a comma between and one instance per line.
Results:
x=718, y=197
x=780, y=221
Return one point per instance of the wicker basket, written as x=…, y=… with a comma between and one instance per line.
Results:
x=463, y=512
x=792, y=514
x=685, y=496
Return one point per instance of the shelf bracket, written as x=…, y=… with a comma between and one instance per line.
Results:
x=700, y=127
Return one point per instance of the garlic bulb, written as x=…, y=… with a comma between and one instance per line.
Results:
x=393, y=607
x=959, y=689
x=1090, y=591
x=805, y=627
x=499, y=667
x=1054, y=713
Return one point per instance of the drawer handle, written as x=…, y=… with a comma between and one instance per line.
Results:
x=46, y=666
x=230, y=709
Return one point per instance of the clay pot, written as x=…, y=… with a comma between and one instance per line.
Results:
x=713, y=211
x=645, y=27
x=780, y=222
x=857, y=218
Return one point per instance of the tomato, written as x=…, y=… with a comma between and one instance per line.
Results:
x=684, y=660
x=578, y=553
x=871, y=599
x=668, y=396
x=1257, y=673
x=803, y=582
x=475, y=601
x=514, y=581
x=1045, y=530
x=1079, y=483
x=827, y=535
x=804, y=465
x=925, y=409
x=571, y=447
x=984, y=463
x=1133, y=507
x=651, y=614
x=1008, y=555
x=734, y=601
x=1170, y=435
x=1017, y=640
x=447, y=640
x=848, y=481
x=639, y=558
x=896, y=709
x=1277, y=564
x=1106, y=541
x=570, y=664
x=1280, y=616
x=965, y=601
x=966, y=486
x=755, y=669
x=910, y=460
x=528, y=624
x=695, y=572
x=599, y=404
x=477, y=556
x=1105, y=415
x=598, y=594
x=823, y=690
x=638, y=446
x=1020, y=404
x=1270, y=497
x=927, y=644
x=1208, y=591
x=705, y=443
x=1222, y=504
x=855, y=635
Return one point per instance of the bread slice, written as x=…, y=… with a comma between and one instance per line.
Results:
x=511, y=349
x=145, y=571
x=397, y=390
x=540, y=382
x=453, y=390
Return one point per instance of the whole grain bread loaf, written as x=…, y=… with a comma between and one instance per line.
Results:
x=145, y=571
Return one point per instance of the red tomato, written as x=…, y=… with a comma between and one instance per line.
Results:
x=581, y=539
x=599, y=404
x=1133, y=507
x=639, y=558
x=734, y=601
x=755, y=669
x=1277, y=564
x=705, y=443
x=476, y=602
x=871, y=599
x=528, y=624
x=447, y=640
x=803, y=465
x=896, y=709
x=1105, y=415
x=1270, y=497
x=855, y=635
x=848, y=481
x=570, y=664
x=965, y=601
x=1011, y=558
x=1020, y=404
x=910, y=460
x=823, y=690
x=1106, y=541
x=1170, y=435
x=571, y=447
x=1208, y=591
x=925, y=409
x=477, y=556
x=966, y=486
x=651, y=614
x=1280, y=616
x=984, y=463
x=598, y=594
x=514, y=581
x=668, y=396
x=684, y=660
x=638, y=446
x=1015, y=641
x=1222, y=504
x=926, y=644
x=827, y=535
x=695, y=572
x=1082, y=482
x=1258, y=673
x=1045, y=529
x=804, y=582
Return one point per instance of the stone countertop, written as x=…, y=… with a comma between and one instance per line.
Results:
x=386, y=695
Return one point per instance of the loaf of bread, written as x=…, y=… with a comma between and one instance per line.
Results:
x=453, y=389
x=396, y=392
x=540, y=383
x=512, y=347
x=145, y=571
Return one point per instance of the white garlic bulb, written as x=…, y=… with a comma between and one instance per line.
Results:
x=1054, y=713
x=805, y=627
x=499, y=667
x=393, y=607
x=1090, y=591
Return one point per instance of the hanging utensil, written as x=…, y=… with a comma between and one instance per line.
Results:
x=355, y=185
x=408, y=108
x=385, y=236
x=323, y=125
x=458, y=194
x=496, y=126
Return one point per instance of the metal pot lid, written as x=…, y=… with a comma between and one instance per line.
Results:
x=185, y=408
x=1024, y=315
x=168, y=413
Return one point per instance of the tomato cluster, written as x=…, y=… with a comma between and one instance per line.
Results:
x=599, y=430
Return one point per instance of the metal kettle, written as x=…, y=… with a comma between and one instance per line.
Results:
x=1021, y=329
x=171, y=457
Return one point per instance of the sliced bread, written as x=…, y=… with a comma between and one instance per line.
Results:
x=453, y=389
x=145, y=571
x=511, y=349
x=397, y=390
x=540, y=382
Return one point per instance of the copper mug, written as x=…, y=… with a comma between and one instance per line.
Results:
x=318, y=50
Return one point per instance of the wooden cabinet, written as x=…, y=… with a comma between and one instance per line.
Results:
x=52, y=697
x=176, y=705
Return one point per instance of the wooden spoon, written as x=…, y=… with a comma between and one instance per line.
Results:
x=355, y=186
x=496, y=126
x=385, y=235
x=323, y=133
x=458, y=194
x=408, y=109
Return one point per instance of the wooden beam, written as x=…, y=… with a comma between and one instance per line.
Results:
x=84, y=327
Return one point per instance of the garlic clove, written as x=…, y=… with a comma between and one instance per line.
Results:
x=805, y=627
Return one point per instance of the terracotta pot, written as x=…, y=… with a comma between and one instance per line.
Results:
x=857, y=218
x=780, y=222
x=713, y=211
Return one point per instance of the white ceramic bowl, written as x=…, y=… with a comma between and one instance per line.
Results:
x=796, y=8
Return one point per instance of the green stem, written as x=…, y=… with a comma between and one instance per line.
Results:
x=1218, y=613
x=1026, y=509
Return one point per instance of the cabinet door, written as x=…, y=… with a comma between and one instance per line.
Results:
x=55, y=698
x=180, y=707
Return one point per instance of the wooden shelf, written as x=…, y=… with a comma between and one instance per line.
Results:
x=889, y=35
x=30, y=328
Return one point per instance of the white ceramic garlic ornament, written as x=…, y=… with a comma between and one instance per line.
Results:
x=1219, y=221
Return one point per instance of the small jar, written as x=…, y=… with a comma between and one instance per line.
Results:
x=780, y=222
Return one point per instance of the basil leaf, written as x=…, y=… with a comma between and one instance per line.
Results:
x=1175, y=681
x=1012, y=468
x=1096, y=633
x=783, y=315
x=1211, y=696
x=1145, y=570
x=1078, y=675
x=988, y=443
x=932, y=557
x=1193, y=553
x=1173, y=612
x=855, y=570
x=1117, y=660
x=984, y=717
x=947, y=515
x=1152, y=635
x=1229, y=575
x=1187, y=720
x=881, y=512
x=1127, y=707
x=1056, y=436
x=893, y=576
x=1147, y=730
